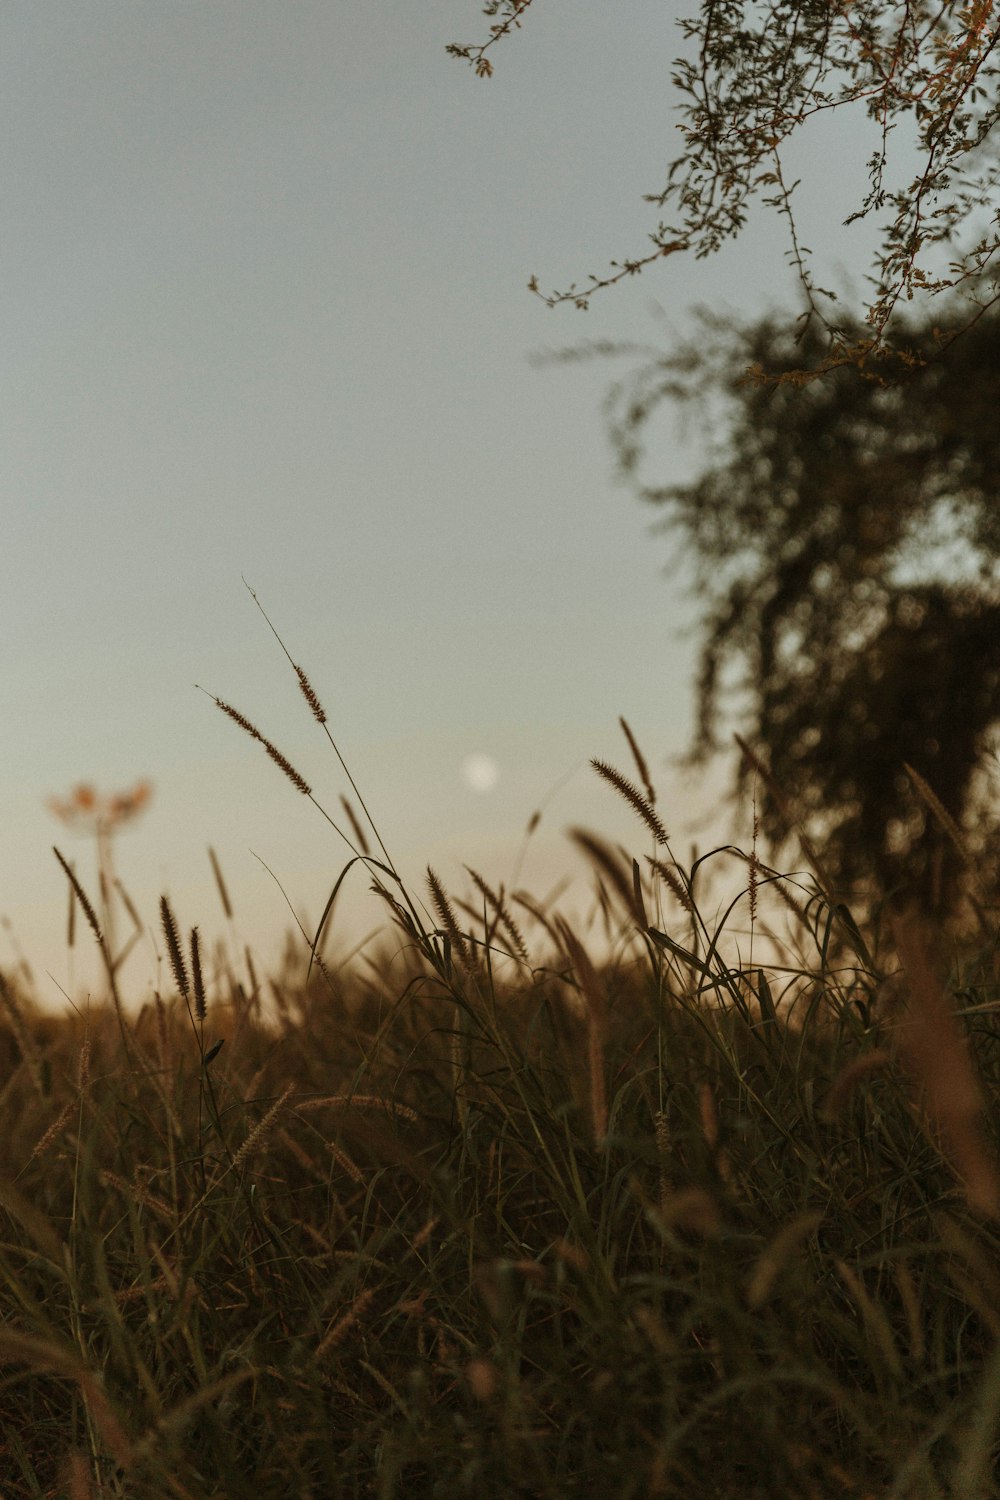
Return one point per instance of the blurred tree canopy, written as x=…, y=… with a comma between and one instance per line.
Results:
x=751, y=74
x=845, y=539
x=845, y=532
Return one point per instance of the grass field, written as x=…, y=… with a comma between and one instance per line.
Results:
x=484, y=1218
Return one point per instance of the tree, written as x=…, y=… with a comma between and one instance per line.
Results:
x=845, y=532
x=755, y=72
x=845, y=536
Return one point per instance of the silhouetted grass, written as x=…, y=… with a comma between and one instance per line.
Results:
x=489, y=1218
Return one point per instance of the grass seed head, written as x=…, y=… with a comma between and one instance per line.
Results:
x=174, y=949
x=309, y=694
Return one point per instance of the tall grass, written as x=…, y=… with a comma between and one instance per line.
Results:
x=486, y=1217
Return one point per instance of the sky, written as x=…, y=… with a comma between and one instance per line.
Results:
x=265, y=317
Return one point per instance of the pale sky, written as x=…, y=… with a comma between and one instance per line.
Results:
x=264, y=313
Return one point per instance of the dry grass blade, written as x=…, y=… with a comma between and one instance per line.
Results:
x=776, y=1255
x=299, y=782
x=180, y=1417
x=339, y=1330
x=309, y=694
x=754, y=864
x=220, y=885
x=932, y=1040
x=36, y=1225
x=642, y=805
x=877, y=1323
x=346, y=1163
x=200, y=1008
x=83, y=1067
x=44, y=1355
x=605, y=859
x=54, y=1130
x=263, y=1128
x=308, y=691
x=78, y=1478
x=448, y=919
x=795, y=906
x=129, y=906
x=597, y=1025
x=82, y=897
x=639, y=759
x=692, y=1208
x=971, y=1268
x=502, y=914
x=71, y=920
x=708, y=1114
x=661, y=1126
x=668, y=874
x=400, y=915
x=534, y=910
x=754, y=761
x=174, y=953
x=137, y=1191
x=357, y=1101
x=937, y=809
x=320, y=714
x=843, y=1086
x=252, y=976
x=356, y=827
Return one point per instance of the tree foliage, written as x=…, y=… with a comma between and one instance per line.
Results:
x=754, y=73
x=845, y=538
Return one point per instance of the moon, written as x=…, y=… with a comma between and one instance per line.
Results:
x=480, y=772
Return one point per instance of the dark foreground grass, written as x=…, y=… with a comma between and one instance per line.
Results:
x=660, y=1227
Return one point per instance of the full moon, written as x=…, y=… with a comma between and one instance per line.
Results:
x=480, y=773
